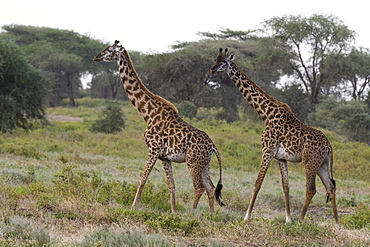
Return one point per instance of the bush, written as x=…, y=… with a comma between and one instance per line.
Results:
x=16, y=227
x=21, y=148
x=348, y=118
x=187, y=109
x=111, y=119
x=359, y=220
x=125, y=238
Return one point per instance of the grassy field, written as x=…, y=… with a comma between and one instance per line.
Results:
x=63, y=185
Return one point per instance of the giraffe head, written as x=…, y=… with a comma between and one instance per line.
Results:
x=111, y=53
x=222, y=62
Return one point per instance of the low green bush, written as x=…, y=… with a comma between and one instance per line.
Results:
x=111, y=119
x=21, y=148
x=358, y=220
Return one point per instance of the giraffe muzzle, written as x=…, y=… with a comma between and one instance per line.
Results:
x=95, y=59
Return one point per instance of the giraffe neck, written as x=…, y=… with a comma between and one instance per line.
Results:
x=148, y=104
x=265, y=105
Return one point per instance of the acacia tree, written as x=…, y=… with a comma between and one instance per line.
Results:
x=63, y=67
x=65, y=55
x=22, y=88
x=355, y=69
x=311, y=41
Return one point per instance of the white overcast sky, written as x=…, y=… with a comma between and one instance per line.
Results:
x=154, y=25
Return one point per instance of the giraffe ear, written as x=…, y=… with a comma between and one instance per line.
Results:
x=232, y=56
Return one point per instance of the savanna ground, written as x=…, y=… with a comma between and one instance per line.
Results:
x=63, y=185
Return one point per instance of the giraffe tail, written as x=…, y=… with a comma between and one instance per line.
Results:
x=330, y=151
x=219, y=184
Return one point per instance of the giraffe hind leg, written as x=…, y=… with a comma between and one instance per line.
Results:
x=330, y=187
x=209, y=187
x=310, y=192
x=199, y=188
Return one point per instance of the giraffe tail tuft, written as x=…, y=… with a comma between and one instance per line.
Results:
x=327, y=194
x=218, y=194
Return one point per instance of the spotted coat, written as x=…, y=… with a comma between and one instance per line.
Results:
x=285, y=138
x=168, y=137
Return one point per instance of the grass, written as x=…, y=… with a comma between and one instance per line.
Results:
x=63, y=185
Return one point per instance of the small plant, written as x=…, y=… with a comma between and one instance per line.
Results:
x=16, y=227
x=111, y=119
x=308, y=227
x=360, y=219
x=123, y=237
x=174, y=223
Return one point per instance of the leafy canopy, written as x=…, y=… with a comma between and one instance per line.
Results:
x=22, y=88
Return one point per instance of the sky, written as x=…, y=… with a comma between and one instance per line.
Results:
x=152, y=26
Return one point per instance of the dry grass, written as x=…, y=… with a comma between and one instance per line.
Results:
x=74, y=185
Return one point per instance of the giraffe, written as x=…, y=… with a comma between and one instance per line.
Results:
x=285, y=138
x=168, y=137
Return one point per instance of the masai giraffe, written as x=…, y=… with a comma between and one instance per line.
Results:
x=285, y=138
x=168, y=137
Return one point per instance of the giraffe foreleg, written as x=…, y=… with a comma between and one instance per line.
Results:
x=266, y=158
x=170, y=182
x=285, y=183
x=152, y=158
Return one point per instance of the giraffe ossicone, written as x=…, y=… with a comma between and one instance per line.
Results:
x=285, y=139
x=168, y=137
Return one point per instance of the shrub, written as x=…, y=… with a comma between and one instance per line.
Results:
x=187, y=109
x=16, y=227
x=125, y=238
x=360, y=219
x=22, y=149
x=348, y=118
x=111, y=119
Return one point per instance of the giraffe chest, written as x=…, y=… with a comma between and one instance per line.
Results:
x=288, y=153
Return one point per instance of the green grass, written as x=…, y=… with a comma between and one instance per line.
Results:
x=63, y=185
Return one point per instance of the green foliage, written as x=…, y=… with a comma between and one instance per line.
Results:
x=22, y=89
x=358, y=220
x=348, y=118
x=324, y=36
x=111, y=119
x=63, y=55
x=308, y=226
x=187, y=109
x=174, y=223
x=24, y=149
x=355, y=69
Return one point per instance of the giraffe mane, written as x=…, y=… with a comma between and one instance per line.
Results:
x=284, y=105
x=157, y=97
